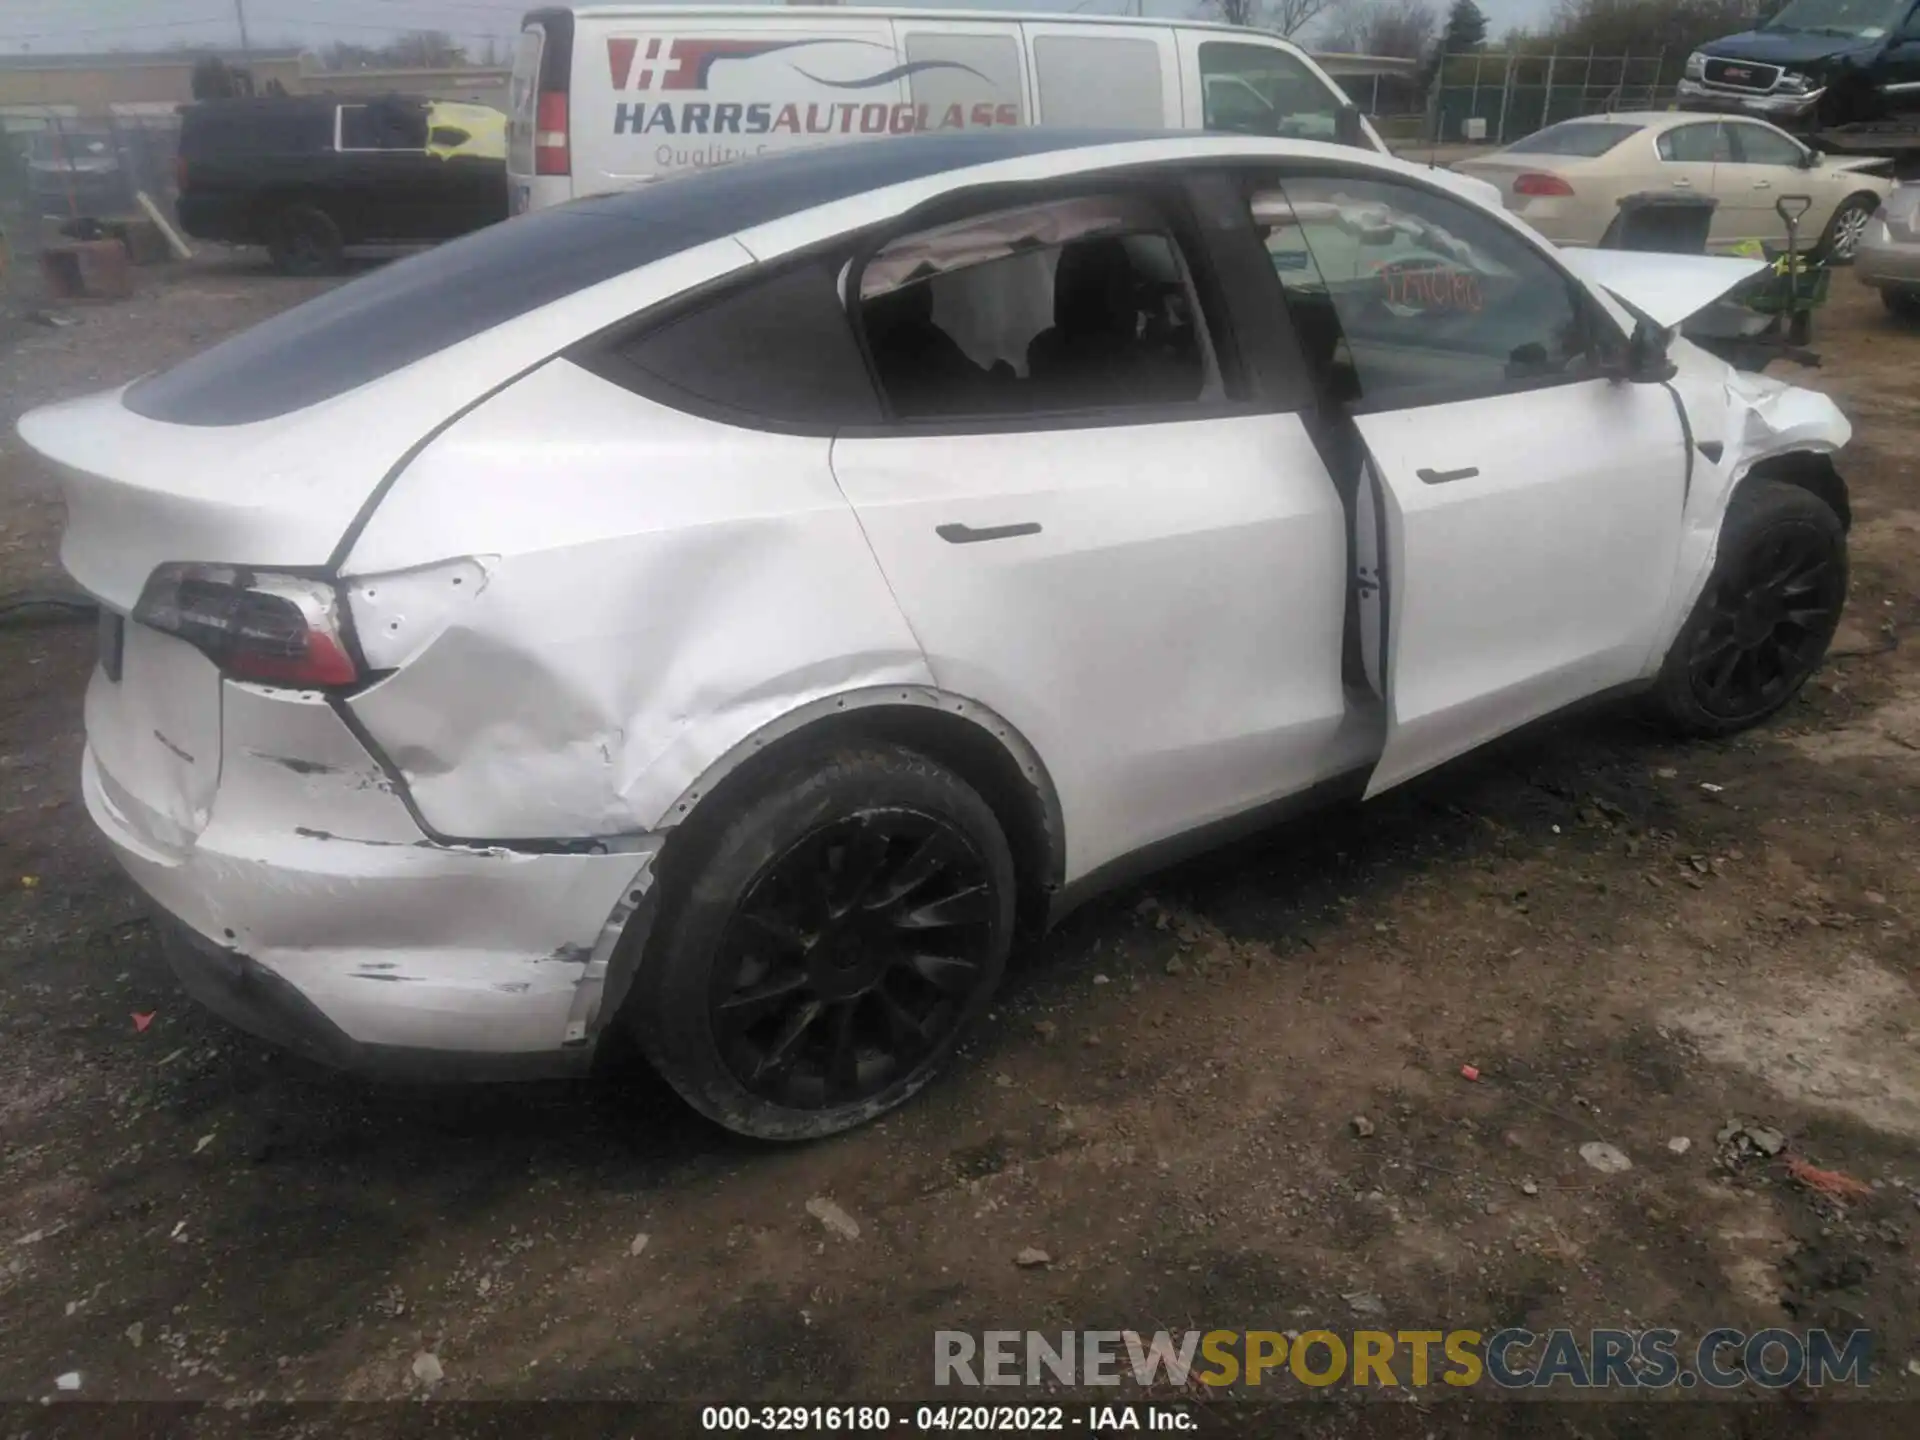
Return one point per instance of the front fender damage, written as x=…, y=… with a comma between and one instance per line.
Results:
x=1739, y=421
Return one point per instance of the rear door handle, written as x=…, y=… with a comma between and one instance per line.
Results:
x=955, y=534
x=1683, y=183
x=1763, y=184
x=1447, y=477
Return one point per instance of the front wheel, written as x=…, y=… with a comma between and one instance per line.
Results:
x=823, y=954
x=1847, y=228
x=1762, y=624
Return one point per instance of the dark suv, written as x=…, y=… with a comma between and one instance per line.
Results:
x=307, y=176
x=1818, y=63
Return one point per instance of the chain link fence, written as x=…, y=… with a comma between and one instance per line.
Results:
x=57, y=167
x=1501, y=98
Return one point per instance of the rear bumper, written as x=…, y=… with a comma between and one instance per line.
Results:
x=249, y=996
x=1886, y=263
x=384, y=956
x=527, y=193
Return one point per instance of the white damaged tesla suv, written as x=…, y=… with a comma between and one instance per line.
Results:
x=728, y=610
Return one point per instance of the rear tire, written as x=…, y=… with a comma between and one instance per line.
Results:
x=1841, y=242
x=304, y=240
x=1905, y=304
x=822, y=953
x=1763, y=622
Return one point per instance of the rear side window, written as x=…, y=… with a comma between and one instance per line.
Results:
x=397, y=126
x=1099, y=82
x=1078, y=305
x=1696, y=144
x=964, y=71
x=1258, y=90
x=1583, y=139
x=776, y=352
x=263, y=129
x=1757, y=145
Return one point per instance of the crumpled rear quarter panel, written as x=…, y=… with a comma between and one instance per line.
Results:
x=659, y=587
x=310, y=865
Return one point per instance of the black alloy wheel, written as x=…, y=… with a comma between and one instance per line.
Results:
x=1764, y=618
x=1768, y=623
x=828, y=930
x=855, y=955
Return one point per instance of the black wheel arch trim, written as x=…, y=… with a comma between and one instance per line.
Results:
x=1809, y=470
x=1020, y=792
x=969, y=738
x=1687, y=441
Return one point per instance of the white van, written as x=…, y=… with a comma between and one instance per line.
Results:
x=606, y=97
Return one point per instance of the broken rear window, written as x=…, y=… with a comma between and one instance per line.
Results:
x=409, y=310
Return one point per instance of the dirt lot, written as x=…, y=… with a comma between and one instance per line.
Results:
x=1631, y=940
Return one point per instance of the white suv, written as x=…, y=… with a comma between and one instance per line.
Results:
x=731, y=608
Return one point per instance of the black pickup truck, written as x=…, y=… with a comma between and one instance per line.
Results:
x=308, y=176
x=1815, y=65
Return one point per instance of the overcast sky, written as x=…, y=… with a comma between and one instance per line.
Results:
x=69, y=25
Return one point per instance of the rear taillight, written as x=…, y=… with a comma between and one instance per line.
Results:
x=551, y=155
x=275, y=629
x=1536, y=183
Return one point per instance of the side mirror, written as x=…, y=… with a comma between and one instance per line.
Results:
x=1647, y=360
x=1809, y=159
x=1347, y=129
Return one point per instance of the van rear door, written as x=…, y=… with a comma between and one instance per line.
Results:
x=540, y=114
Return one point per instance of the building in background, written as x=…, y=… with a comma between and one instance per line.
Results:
x=89, y=86
x=473, y=85
x=1385, y=87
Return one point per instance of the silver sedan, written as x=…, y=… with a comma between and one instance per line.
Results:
x=1889, y=255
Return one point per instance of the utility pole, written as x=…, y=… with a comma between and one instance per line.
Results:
x=240, y=10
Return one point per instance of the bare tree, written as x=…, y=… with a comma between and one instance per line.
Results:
x=426, y=50
x=1285, y=16
x=1236, y=12
x=1291, y=16
x=1640, y=27
x=342, y=55
x=214, y=79
x=1402, y=28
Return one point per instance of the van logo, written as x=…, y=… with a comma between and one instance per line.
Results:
x=688, y=64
